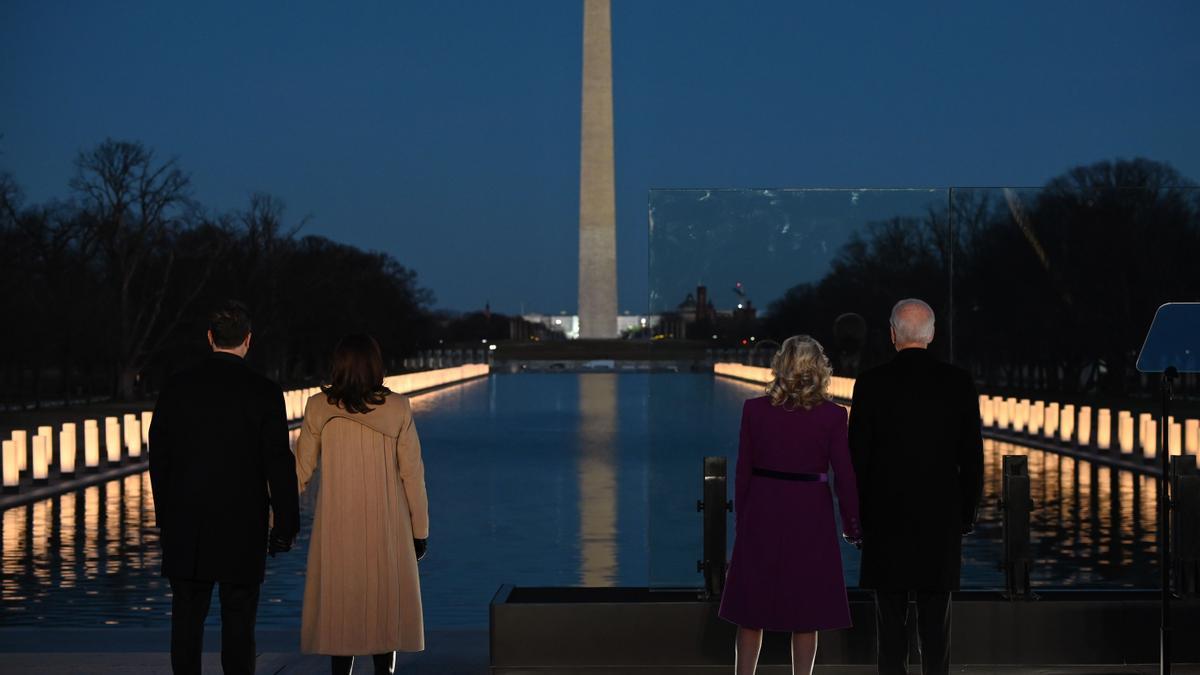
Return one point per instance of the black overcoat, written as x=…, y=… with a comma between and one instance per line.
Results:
x=220, y=461
x=918, y=454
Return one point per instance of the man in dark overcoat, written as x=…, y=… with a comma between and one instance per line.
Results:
x=220, y=465
x=917, y=451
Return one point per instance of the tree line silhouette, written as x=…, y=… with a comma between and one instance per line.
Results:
x=106, y=292
x=1049, y=289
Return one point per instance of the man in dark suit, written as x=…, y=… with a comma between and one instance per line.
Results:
x=917, y=451
x=220, y=464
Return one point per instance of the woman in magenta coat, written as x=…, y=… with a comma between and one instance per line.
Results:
x=786, y=571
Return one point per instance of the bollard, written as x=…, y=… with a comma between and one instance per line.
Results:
x=1185, y=526
x=1015, y=505
x=714, y=506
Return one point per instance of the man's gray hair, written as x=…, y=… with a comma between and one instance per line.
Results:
x=912, y=319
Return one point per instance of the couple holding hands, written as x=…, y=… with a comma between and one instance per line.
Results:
x=221, y=468
x=908, y=472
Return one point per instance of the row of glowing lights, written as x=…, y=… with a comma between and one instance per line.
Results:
x=1066, y=423
x=126, y=437
x=1046, y=419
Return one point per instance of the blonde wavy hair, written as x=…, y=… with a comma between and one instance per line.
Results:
x=802, y=374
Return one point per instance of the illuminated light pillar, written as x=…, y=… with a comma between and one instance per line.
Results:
x=48, y=434
x=147, y=418
x=1191, y=429
x=1174, y=436
x=1002, y=416
x=1051, y=421
x=41, y=468
x=112, y=439
x=133, y=437
x=1104, y=429
x=20, y=439
x=1037, y=415
x=12, y=474
x=91, y=444
x=1021, y=422
x=1125, y=431
x=1083, y=428
x=1066, y=423
x=66, y=449
x=597, y=191
x=1149, y=437
x=986, y=413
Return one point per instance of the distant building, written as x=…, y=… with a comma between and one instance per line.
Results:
x=568, y=324
x=696, y=318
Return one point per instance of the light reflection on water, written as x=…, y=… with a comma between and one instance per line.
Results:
x=545, y=480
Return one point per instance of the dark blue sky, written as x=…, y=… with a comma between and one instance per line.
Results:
x=446, y=133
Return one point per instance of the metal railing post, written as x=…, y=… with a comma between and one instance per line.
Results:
x=1015, y=505
x=714, y=506
x=1185, y=526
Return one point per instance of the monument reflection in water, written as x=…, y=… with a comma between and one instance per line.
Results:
x=543, y=480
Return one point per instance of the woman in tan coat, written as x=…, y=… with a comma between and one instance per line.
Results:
x=362, y=594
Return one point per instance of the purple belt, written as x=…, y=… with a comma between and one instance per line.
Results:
x=788, y=475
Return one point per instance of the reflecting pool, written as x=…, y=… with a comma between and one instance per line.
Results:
x=556, y=479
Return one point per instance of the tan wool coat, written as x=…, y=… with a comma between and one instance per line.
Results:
x=362, y=594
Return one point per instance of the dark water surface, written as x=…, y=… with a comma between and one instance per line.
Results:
x=557, y=480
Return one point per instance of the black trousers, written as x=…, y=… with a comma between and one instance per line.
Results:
x=933, y=631
x=385, y=664
x=189, y=608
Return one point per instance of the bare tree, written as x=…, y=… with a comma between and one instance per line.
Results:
x=135, y=207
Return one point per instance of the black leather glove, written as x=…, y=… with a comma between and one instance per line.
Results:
x=968, y=528
x=420, y=545
x=856, y=542
x=278, y=542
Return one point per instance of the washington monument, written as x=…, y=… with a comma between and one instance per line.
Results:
x=597, y=198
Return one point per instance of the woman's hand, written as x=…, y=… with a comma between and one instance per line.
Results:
x=420, y=545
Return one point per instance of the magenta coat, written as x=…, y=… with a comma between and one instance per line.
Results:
x=786, y=571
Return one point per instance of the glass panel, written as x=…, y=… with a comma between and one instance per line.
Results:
x=1043, y=294
x=739, y=270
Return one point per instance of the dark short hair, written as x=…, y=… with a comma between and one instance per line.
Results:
x=229, y=323
x=356, y=378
